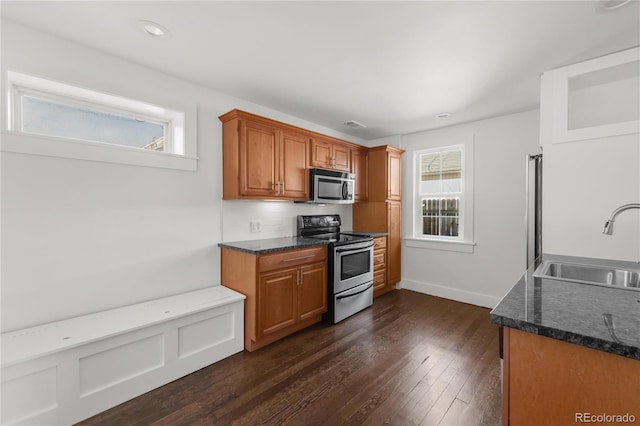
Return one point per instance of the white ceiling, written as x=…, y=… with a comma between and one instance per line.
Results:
x=390, y=65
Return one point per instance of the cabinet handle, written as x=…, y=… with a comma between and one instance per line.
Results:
x=282, y=190
x=299, y=258
x=274, y=187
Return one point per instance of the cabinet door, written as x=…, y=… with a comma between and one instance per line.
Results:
x=321, y=153
x=394, y=242
x=360, y=167
x=294, y=176
x=341, y=157
x=395, y=176
x=258, y=159
x=277, y=300
x=313, y=290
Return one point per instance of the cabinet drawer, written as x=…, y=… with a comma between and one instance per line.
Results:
x=379, y=243
x=285, y=259
x=379, y=279
x=379, y=260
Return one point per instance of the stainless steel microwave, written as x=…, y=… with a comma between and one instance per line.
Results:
x=331, y=187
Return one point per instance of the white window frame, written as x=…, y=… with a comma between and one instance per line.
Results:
x=180, y=145
x=417, y=230
x=464, y=243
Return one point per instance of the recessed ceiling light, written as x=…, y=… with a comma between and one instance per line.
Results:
x=154, y=29
x=613, y=4
x=443, y=115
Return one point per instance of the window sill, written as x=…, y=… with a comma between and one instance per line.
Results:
x=93, y=151
x=456, y=246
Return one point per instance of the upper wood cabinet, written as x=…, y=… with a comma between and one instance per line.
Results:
x=263, y=160
x=330, y=154
x=385, y=179
x=266, y=159
x=360, y=167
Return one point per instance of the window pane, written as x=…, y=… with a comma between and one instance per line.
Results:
x=440, y=216
x=46, y=117
x=451, y=171
x=430, y=174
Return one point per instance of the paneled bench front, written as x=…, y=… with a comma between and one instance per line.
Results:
x=66, y=371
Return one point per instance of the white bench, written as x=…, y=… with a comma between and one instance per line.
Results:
x=67, y=371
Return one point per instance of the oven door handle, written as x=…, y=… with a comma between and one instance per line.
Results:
x=353, y=247
x=354, y=294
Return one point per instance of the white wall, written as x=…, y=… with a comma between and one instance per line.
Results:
x=498, y=259
x=583, y=183
x=585, y=180
x=81, y=236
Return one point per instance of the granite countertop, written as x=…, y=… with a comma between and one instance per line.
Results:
x=270, y=245
x=366, y=233
x=573, y=312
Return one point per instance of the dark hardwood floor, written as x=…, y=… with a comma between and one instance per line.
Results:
x=409, y=359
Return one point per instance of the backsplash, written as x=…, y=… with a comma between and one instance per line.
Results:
x=275, y=218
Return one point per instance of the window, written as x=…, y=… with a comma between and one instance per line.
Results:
x=79, y=123
x=64, y=118
x=440, y=193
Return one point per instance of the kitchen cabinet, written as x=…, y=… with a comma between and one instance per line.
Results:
x=360, y=167
x=548, y=381
x=386, y=182
x=262, y=160
x=286, y=291
x=330, y=154
x=379, y=265
x=593, y=99
x=383, y=216
x=382, y=212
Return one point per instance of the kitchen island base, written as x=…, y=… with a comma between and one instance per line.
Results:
x=548, y=381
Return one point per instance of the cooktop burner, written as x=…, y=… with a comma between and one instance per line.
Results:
x=340, y=238
x=327, y=227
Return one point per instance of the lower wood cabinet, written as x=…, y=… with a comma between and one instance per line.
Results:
x=552, y=382
x=286, y=290
x=379, y=265
x=383, y=217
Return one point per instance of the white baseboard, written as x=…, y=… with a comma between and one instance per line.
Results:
x=116, y=356
x=456, y=294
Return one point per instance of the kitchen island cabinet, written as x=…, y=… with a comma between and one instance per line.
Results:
x=285, y=290
x=548, y=381
x=571, y=350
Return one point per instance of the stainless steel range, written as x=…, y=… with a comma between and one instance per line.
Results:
x=350, y=282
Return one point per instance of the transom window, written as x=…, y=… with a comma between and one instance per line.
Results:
x=439, y=193
x=52, y=109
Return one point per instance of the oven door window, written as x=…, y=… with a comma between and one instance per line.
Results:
x=354, y=264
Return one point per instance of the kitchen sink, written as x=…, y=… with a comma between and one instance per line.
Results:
x=589, y=274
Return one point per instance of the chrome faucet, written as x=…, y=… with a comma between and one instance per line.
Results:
x=608, y=225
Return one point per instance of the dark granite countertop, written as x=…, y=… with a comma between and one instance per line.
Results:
x=270, y=245
x=366, y=233
x=573, y=312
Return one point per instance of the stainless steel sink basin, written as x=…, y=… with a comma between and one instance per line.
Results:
x=589, y=274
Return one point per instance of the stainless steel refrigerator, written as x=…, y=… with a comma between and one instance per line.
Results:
x=533, y=210
x=532, y=224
